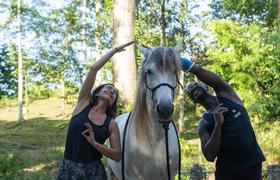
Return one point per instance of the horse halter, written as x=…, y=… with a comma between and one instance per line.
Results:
x=162, y=84
x=158, y=86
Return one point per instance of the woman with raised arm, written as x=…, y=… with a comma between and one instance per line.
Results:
x=90, y=126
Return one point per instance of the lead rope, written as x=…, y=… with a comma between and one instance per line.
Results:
x=179, y=149
x=166, y=128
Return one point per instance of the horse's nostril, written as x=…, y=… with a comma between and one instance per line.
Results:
x=165, y=110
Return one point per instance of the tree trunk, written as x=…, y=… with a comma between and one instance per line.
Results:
x=98, y=79
x=20, y=72
x=62, y=82
x=84, y=21
x=26, y=92
x=124, y=63
x=182, y=105
x=62, y=75
x=182, y=16
x=162, y=24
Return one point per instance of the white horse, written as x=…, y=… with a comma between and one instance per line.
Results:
x=145, y=148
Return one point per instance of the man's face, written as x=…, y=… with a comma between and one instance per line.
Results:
x=198, y=94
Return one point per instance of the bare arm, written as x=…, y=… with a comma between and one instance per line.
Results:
x=85, y=92
x=210, y=78
x=221, y=87
x=90, y=78
x=210, y=144
x=114, y=151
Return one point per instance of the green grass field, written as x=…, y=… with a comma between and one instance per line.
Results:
x=33, y=149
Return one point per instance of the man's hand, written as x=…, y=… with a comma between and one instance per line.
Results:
x=122, y=47
x=89, y=134
x=219, y=114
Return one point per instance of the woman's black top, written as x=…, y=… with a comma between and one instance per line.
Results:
x=77, y=148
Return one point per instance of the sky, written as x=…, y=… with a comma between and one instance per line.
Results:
x=203, y=6
x=4, y=13
x=28, y=42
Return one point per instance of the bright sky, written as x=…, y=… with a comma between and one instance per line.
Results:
x=203, y=6
x=28, y=42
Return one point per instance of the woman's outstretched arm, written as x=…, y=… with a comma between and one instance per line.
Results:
x=90, y=78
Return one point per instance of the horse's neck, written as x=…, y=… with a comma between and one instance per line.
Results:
x=153, y=133
x=156, y=130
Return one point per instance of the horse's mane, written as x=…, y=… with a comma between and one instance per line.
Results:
x=165, y=59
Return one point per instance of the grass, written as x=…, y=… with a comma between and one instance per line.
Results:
x=33, y=149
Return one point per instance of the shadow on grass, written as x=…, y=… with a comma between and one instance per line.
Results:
x=31, y=149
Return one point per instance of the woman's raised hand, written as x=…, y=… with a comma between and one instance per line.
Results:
x=122, y=46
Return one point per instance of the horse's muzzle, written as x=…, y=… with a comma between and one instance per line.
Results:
x=165, y=111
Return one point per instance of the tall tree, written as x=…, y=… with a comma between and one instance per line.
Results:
x=183, y=32
x=159, y=14
x=124, y=64
x=84, y=22
x=20, y=72
x=11, y=7
x=8, y=78
x=98, y=45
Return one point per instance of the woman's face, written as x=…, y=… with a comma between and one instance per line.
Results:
x=108, y=92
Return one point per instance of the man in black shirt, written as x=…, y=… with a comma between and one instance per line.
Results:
x=225, y=130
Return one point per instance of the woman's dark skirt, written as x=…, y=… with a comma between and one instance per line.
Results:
x=70, y=170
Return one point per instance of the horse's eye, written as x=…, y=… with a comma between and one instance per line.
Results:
x=149, y=71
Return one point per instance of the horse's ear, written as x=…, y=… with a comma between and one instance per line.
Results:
x=177, y=48
x=145, y=51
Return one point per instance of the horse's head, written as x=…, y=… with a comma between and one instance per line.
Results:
x=159, y=72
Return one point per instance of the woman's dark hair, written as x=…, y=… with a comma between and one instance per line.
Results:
x=111, y=110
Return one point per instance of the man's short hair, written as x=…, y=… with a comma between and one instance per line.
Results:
x=193, y=85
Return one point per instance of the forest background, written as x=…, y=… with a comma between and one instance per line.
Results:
x=47, y=47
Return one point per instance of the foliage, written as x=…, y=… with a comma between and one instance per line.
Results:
x=10, y=162
x=247, y=11
x=247, y=56
x=8, y=81
x=37, y=91
x=244, y=51
x=268, y=136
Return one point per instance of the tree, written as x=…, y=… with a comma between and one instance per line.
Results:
x=20, y=72
x=247, y=11
x=124, y=63
x=8, y=79
x=247, y=56
x=84, y=21
x=10, y=6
